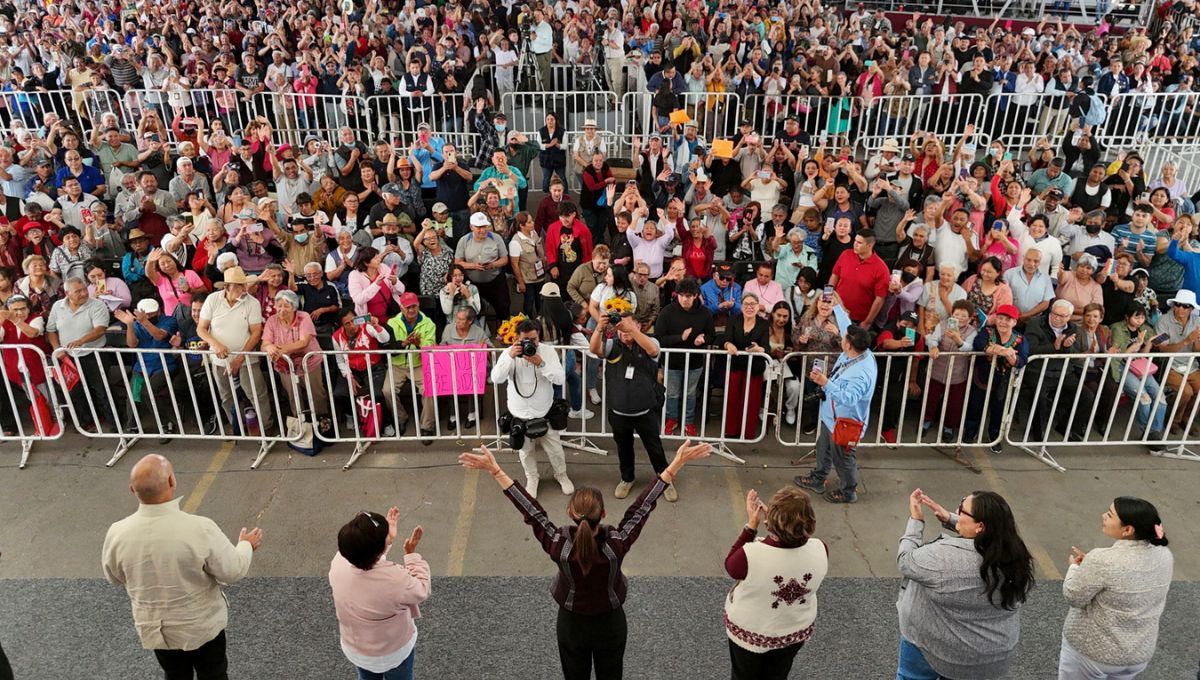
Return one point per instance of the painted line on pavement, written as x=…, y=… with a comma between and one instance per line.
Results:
x=192, y=504
x=462, y=527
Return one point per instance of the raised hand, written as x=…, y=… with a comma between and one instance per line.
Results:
x=938, y=511
x=410, y=545
x=756, y=510
x=484, y=461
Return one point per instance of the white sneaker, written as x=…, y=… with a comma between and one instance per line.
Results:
x=531, y=485
x=594, y=395
x=389, y=431
x=623, y=489
x=790, y=418
x=670, y=494
x=581, y=413
x=565, y=482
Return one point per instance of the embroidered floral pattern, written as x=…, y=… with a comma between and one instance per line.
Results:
x=791, y=592
x=767, y=641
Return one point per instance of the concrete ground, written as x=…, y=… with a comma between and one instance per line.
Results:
x=54, y=513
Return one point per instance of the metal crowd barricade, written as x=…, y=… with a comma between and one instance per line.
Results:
x=1020, y=120
x=1168, y=118
x=767, y=113
x=1155, y=156
x=118, y=395
x=574, y=170
x=716, y=114
x=30, y=412
x=527, y=111
x=899, y=116
x=395, y=118
x=224, y=104
x=916, y=421
x=295, y=116
x=467, y=406
x=1059, y=395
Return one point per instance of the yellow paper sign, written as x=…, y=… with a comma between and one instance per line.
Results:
x=679, y=117
x=722, y=148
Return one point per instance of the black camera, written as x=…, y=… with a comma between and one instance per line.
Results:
x=614, y=318
x=528, y=347
x=816, y=395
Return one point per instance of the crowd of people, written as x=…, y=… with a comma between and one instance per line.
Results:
x=959, y=600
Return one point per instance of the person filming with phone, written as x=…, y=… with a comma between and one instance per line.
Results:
x=845, y=394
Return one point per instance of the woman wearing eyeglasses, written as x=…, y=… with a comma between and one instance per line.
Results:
x=376, y=599
x=961, y=596
x=1117, y=595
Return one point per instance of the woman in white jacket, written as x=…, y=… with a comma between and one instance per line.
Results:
x=1117, y=595
x=1034, y=233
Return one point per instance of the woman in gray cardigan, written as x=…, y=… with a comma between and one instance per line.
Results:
x=960, y=596
x=1117, y=595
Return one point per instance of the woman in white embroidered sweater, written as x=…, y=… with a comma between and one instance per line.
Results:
x=769, y=612
x=376, y=599
x=1117, y=595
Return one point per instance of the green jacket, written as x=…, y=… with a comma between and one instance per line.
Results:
x=424, y=328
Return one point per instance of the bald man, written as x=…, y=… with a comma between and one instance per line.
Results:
x=173, y=565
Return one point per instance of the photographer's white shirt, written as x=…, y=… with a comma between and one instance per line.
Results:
x=530, y=387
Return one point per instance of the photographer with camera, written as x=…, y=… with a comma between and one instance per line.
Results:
x=635, y=397
x=534, y=417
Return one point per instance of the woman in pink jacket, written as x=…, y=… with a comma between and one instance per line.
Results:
x=376, y=599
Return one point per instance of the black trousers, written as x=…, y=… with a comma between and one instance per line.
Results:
x=592, y=641
x=206, y=663
x=496, y=293
x=5, y=670
x=772, y=665
x=646, y=426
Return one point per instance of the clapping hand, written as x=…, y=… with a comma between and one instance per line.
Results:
x=756, y=510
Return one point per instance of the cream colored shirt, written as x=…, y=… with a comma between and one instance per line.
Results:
x=173, y=565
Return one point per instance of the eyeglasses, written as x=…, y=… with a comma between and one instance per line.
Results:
x=960, y=508
x=368, y=515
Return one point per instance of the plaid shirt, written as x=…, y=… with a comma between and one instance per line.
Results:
x=489, y=140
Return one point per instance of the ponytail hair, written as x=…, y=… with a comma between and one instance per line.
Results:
x=1143, y=517
x=587, y=504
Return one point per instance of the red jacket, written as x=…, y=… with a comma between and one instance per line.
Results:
x=581, y=232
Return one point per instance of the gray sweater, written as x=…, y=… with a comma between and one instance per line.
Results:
x=944, y=611
x=1117, y=596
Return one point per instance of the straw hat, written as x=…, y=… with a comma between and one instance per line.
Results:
x=236, y=275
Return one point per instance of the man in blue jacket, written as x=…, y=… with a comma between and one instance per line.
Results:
x=846, y=392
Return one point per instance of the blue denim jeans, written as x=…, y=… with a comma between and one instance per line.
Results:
x=574, y=382
x=675, y=386
x=913, y=665
x=402, y=672
x=1131, y=388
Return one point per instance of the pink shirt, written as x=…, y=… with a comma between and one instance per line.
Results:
x=377, y=608
x=276, y=333
x=767, y=295
x=173, y=294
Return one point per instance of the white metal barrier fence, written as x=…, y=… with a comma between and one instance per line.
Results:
x=899, y=116
x=527, y=111
x=460, y=407
x=1167, y=118
x=1021, y=120
x=954, y=400
x=1089, y=399
x=30, y=412
x=127, y=394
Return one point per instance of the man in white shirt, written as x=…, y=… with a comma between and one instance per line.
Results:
x=532, y=369
x=232, y=321
x=614, y=54
x=955, y=242
x=542, y=45
x=173, y=564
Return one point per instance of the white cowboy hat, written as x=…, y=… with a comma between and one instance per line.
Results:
x=236, y=275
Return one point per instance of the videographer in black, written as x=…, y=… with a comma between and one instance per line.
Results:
x=634, y=395
x=531, y=370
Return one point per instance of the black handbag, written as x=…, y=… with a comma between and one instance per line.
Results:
x=557, y=415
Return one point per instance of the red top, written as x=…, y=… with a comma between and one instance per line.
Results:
x=860, y=282
x=698, y=258
x=581, y=232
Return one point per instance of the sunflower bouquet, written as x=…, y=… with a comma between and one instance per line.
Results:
x=508, y=329
x=618, y=305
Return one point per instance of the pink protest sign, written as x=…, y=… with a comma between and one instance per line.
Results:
x=454, y=370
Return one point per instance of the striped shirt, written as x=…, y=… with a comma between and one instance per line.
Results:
x=603, y=588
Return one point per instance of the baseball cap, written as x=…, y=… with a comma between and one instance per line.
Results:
x=147, y=305
x=551, y=290
x=724, y=270
x=1010, y=311
x=1055, y=192
x=409, y=299
x=480, y=220
x=908, y=157
x=440, y=207
x=391, y=188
